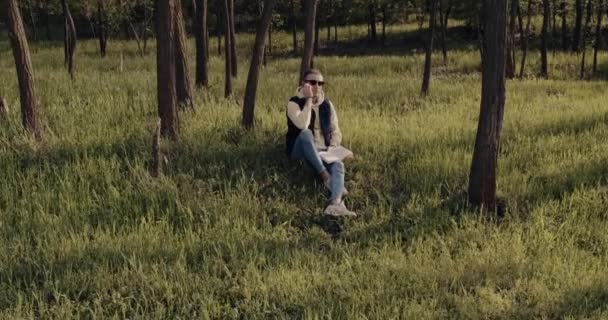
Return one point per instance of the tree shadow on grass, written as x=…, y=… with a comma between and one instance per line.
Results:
x=583, y=303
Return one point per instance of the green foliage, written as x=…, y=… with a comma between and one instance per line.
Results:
x=233, y=230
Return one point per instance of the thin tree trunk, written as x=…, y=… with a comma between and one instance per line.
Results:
x=443, y=19
x=294, y=33
x=482, y=178
x=101, y=25
x=510, y=67
x=544, y=39
x=583, y=44
x=69, y=37
x=384, y=17
x=311, y=10
x=227, y=51
x=578, y=28
x=317, y=29
x=554, y=26
x=524, y=44
x=426, y=77
x=165, y=64
x=218, y=27
x=202, y=69
x=254, y=68
x=233, y=56
x=564, y=13
x=23, y=64
x=137, y=39
x=598, y=35
x=372, y=23
x=183, y=84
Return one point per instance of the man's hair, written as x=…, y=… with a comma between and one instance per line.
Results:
x=312, y=71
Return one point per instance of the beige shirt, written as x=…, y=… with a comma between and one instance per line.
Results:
x=301, y=119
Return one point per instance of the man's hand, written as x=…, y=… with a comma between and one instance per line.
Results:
x=307, y=91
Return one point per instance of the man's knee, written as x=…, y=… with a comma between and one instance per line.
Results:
x=306, y=134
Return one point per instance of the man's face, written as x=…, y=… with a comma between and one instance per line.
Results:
x=315, y=81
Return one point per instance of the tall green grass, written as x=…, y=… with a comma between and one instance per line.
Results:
x=234, y=230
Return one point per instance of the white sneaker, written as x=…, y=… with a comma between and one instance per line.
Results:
x=339, y=210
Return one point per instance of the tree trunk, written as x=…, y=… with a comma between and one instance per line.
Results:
x=311, y=11
x=443, y=19
x=554, y=25
x=227, y=51
x=102, y=28
x=544, y=39
x=294, y=33
x=578, y=27
x=510, y=67
x=233, y=56
x=183, y=85
x=583, y=44
x=202, y=69
x=317, y=27
x=384, y=17
x=156, y=163
x=69, y=37
x=598, y=35
x=3, y=109
x=254, y=68
x=137, y=39
x=218, y=28
x=426, y=77
x=482, y=179
x=372, y=23
x=23, y=64
x=524, y=43
x=564, y=13
x=165, y=66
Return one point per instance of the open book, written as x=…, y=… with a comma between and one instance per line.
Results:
x=333, y=154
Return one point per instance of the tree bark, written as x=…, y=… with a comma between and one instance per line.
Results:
x=583, y=44
x=219, y=23
x=202, y=60
x=254, y=68
x=544, y=40
x=578, y=27
x=482, y=178
x=69, y=39
x=384, y=17
x=23, y=64
x=426, y=77
x=372, y=23
x=443, y=19
x=102, y=28
x=524, y=43
x=311, y=10
x=227, y=51
x=183, y=84
x=317, y=30
x=598, y=35
x=233, y=56
x=165, y=66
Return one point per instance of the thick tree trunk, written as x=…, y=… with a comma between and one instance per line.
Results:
x=583, y=44
x=69, y=37
x=23, y=63
x=525, y=39
x=598, y=35
x=102, y=31
x=317, y=29
x=545, y=40
x=578, y=27
x=202, y=69
x=564, y=13
x=183, y=85
x=426, y=77
x=227, y=51
x=311, y=12
x=482, y=179
x=254, y=68
x=294, y=33
x=233, y=56
x=165, y=66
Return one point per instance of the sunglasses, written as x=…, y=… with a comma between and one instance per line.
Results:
x=315, y=82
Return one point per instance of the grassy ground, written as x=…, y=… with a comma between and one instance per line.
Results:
x=232, y=230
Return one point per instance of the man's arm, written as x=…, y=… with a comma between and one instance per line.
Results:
x=301, y=118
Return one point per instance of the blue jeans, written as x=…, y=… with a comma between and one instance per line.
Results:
x=304, y=149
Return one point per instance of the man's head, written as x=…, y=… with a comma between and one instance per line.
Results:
x=314, y=78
